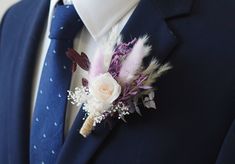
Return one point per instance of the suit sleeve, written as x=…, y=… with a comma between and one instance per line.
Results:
x=227, y=152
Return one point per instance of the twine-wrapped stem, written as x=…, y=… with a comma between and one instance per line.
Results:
x=87, y=125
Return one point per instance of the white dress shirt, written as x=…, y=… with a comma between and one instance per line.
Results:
x=99, y=16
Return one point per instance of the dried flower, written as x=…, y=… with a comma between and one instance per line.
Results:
x=116, y=85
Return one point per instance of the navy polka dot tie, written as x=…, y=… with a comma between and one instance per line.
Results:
x=47, y=132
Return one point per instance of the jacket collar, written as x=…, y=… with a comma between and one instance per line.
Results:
x=173, y=8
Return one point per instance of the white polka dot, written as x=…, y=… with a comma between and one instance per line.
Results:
x=79, y=20
x=43, y=162
x=67, y=7
x=40, y=91
x=54, y=51
x=47, y=107
x=45, y=64
x=51, y=80
x=53, y=152
x=44, y=135
x=61, y=28
x=55, y=123
x=37, y=119
x=65, y=67
x=59, y=95
x=53, y=16
x=35, y=147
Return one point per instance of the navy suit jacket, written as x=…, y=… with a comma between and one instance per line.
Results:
x=195, y=120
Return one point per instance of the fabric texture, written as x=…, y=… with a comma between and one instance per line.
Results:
x=226, y=155
x=49, y=115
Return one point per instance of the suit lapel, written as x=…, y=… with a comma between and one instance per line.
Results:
x=146, y=19
x=23, y=52
x=172, y=8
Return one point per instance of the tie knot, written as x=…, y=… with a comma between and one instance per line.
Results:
x=65, y=23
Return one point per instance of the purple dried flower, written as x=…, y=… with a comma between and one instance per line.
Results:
x=131, y=90
x=120, y=53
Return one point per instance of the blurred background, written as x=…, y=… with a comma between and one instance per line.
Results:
x=4, y=5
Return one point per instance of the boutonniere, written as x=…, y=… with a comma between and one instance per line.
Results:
x=117, y=80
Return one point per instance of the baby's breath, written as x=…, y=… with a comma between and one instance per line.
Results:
x=79, y=96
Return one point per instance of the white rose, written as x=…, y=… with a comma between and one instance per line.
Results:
x=104, y=88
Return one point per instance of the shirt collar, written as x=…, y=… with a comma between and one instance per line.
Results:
x=99, y=16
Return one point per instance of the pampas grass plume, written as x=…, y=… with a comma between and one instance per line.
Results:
x=97, y=65
x=134, y=60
